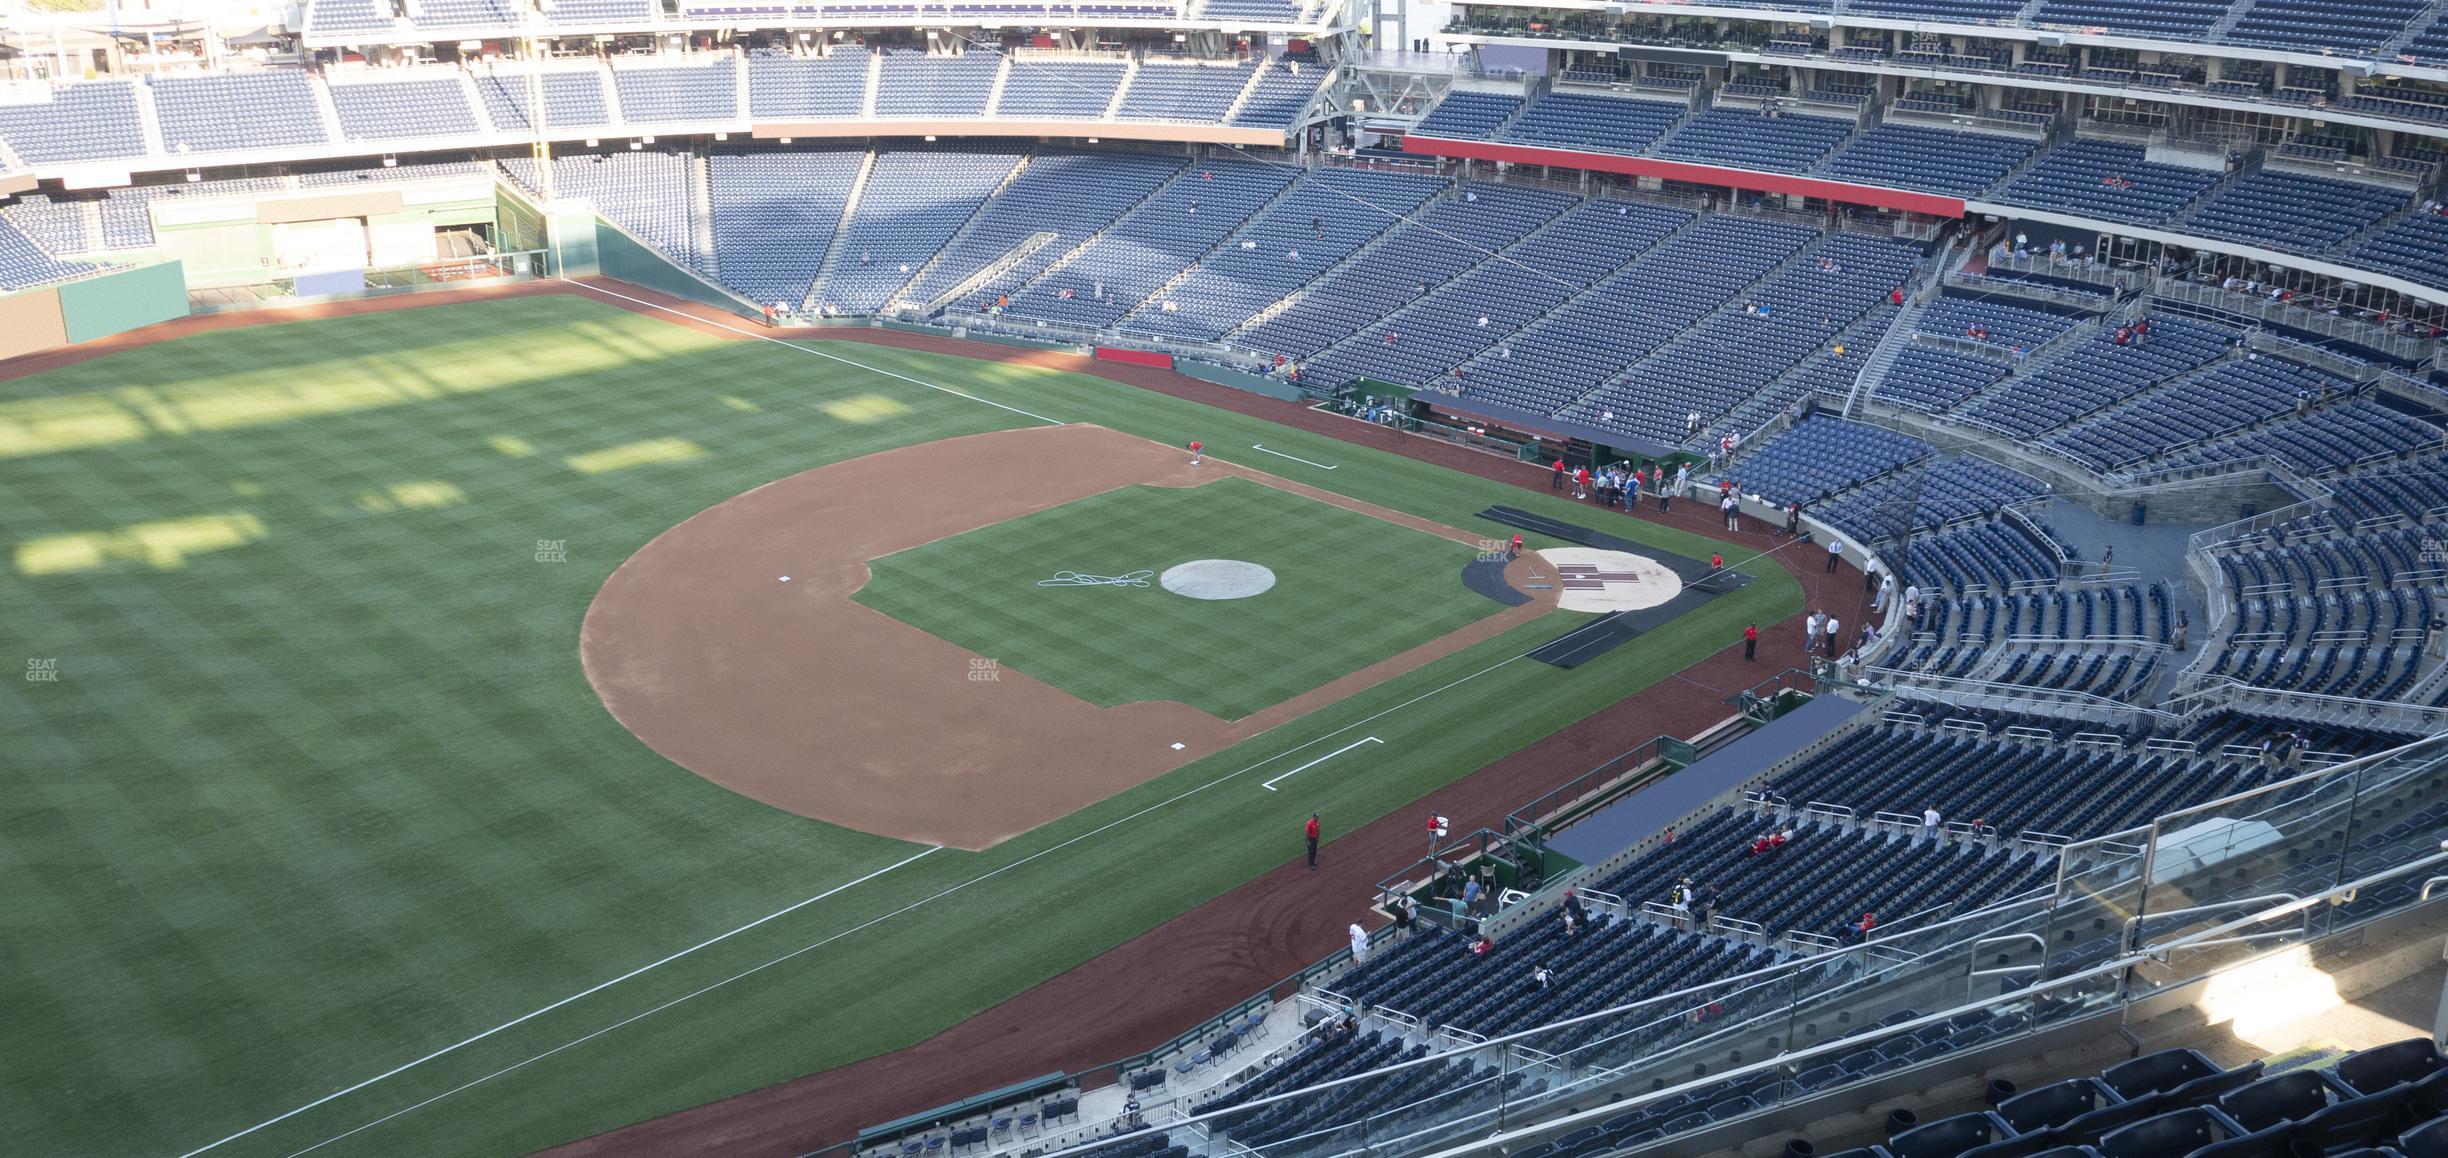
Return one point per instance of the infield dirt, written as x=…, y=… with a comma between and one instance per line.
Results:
x=791, y=693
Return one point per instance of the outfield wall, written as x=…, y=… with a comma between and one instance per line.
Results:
x=615, y=254
x=50, y=317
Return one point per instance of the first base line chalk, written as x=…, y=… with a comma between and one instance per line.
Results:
x=1270, y=785
x=1296, y=458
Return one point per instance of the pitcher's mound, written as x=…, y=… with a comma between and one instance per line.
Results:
x=1217, y=579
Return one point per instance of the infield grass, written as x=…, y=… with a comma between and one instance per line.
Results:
x=319, y=787
x=1350, y=589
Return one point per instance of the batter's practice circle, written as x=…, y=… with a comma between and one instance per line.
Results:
x=1217, y=579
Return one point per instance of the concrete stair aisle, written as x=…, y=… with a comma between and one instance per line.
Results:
x=611, y=96
x=325, y=111
x=1248, y=87
x=2413, y=31
x=701, y=189
x=1130, y=73
x=1285, y=302
x=1228, y=238
x=1072, y=254
x=148, y=118
x=875, y=76
x=1672, y=347
x=1530, y=326
x=91, y=211
x=739, y=88
x=994, y=91
x=1891, y=346
x=833, y=253
x=919, y=274
x=2227, y=23
x=475, y=100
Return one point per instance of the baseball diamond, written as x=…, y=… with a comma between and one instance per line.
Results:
x=467, y=860
x=1223, y=579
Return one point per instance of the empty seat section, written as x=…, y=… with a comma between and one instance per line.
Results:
x=92, y=121
x=401, y=110
x=912, y=204
x=1059, y=89
x=775, y=215
x=703, y=92
x=808, y=88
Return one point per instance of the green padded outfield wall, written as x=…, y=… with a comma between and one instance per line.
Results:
x=117, y=302
x=618, y=255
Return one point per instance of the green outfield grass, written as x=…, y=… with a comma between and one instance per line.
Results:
x=1350, y=589
x=319, y=788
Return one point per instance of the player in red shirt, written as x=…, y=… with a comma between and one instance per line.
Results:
x=1195, y=449
x=1311, y=831
x=1751, y=642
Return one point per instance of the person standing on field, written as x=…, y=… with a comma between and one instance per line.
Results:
x=1751, y=642
x=1312, y=833
x=1555, y=482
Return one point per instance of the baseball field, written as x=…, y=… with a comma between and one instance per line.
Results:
x=465, y=728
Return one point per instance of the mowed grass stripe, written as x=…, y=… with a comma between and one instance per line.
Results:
x=232, y=767
x=1351, y=589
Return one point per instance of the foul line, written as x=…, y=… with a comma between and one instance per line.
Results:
x=1270, y=785
x=1279, y=454
x=809, y=350
x=877, y=920
x=912, y=906
x=391, y=1073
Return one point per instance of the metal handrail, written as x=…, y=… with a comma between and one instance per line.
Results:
x=1802, y=1058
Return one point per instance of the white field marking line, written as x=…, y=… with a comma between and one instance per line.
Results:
x=873, y=921
x=564, y=1001
x=1279, y=454
x=818, y=353
x=1270, y=785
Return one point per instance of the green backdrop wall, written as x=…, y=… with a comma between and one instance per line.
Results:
x=115, y=302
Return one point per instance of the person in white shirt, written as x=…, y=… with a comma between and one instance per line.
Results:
x=1886, y=591
x=1870, y=574
x=1832, y=625
x=1359, y=942
x=1835, y=554
x=1810, y=637
x=1929, y=822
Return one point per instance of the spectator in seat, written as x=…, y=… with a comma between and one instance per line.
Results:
x=1482, y=947
x=1542, y=979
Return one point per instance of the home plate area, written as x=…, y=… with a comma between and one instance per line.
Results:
x=1629, y=592
x=1589, y=579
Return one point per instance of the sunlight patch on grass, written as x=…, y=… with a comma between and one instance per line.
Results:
x=865, y=408
x=635, y=454
x=47, y=425
x=163, y=545
x=514, y=447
